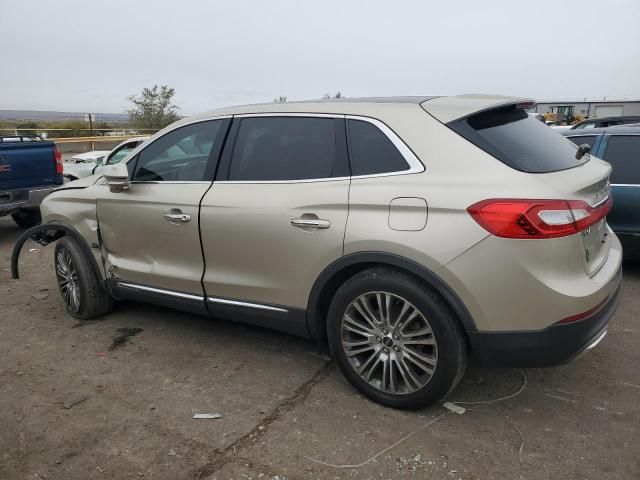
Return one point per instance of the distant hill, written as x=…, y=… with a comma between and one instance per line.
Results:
x=37, y=115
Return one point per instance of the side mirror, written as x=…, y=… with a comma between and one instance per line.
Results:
x=117, y=176
x=99, y=160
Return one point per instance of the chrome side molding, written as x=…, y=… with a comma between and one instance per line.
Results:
x=237, y=303
x=160, y=291
x=200, y=298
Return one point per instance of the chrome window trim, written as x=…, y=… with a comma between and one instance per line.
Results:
x=161, y=291
x=625, y=185
x=415, y=165
x=170, y=182
x=238, y=303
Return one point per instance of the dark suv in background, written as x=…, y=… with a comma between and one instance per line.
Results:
x=604, y=122
x=620, y=146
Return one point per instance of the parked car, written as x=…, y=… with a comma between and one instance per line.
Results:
x=86, y=164
x=411, y=234
x=620, y=146
x=30, y=168
x=605, y=122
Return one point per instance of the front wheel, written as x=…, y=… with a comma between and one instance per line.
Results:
x=80, y=289
x=395, y=339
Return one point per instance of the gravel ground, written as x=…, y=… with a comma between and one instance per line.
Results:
x=114, y=399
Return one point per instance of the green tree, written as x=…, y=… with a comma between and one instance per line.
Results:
x=27, y=128
x=152, y=108
x=280, y=99
x=328, y=96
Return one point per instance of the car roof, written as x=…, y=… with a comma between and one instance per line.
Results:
x=613, y=130
x=445, y=109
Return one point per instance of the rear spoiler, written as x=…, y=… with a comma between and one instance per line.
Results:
x=448, y=109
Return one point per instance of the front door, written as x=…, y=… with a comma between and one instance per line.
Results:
x=149, y=232
x=275, y=217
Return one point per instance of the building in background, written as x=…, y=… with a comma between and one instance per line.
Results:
x=590, y=108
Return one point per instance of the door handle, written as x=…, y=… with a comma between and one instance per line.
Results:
x=310, y=223
x=177, y=217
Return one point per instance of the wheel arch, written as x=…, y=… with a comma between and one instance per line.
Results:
x=342, y=269
x=50, y=232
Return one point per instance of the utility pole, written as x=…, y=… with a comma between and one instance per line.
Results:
x=90, y=117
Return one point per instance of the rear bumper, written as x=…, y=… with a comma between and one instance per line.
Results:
x=14, y=200
x=551, y=346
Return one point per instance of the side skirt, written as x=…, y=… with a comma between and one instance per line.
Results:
x=276, y=317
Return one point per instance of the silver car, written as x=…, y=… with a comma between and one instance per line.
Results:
x=412, y=235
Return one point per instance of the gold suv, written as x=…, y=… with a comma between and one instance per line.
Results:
x=410, y=234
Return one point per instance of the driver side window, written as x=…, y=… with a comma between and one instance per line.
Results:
x=180, y=155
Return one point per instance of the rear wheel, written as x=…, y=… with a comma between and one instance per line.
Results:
x=395, y=339
x=80, y=289
x=27, y=218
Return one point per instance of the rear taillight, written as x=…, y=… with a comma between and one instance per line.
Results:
x=517, y=218
x=58, y=156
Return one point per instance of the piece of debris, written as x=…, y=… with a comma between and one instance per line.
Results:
x=172, y=452
x=454, y=408
x=207, y=415
x=68, y=405
x=125, y=333
x=31, y=250
x=39, y=296
x=631, y=384
x=559, y=397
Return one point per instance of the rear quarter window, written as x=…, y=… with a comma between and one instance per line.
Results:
x=623, y=153
x=371, y=151
x=519, y=141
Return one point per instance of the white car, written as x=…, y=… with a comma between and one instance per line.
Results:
x=85, y=164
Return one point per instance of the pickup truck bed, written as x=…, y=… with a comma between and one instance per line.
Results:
x=30, y=168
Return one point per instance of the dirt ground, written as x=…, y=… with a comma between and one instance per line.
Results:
x=114, y=399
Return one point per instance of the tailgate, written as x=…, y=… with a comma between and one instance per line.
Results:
x=25, y=165
x=590, y=183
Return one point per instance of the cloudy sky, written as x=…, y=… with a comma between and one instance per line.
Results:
x=87, y=55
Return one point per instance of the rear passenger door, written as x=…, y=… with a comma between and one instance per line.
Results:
x=623, y=153
x=275, y=216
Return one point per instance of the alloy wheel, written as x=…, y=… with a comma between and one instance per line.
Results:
x=68, y=280
x=389, y=342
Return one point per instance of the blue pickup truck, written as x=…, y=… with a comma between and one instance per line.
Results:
x=30, y=168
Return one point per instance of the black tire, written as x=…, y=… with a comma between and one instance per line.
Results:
x=27, y=218
x=92, y=300
x=451, y=343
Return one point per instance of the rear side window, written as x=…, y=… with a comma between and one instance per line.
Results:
x=623, y=153
x=371, y=151
x=285, y=148
x=588, y=139
x=518, y=140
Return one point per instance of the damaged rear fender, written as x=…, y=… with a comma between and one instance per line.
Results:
x=50, y=232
